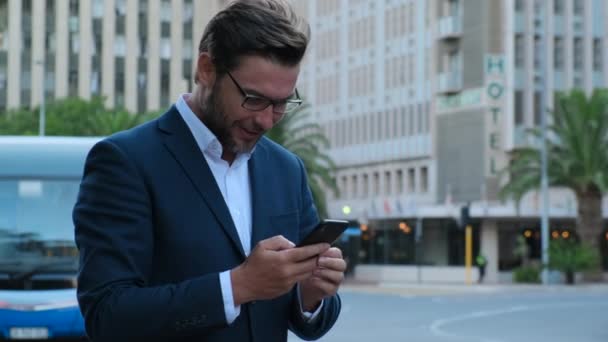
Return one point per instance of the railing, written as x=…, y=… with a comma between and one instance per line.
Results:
x=450, y=81
x=450, y=27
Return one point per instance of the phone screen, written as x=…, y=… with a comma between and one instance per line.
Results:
x=326, y=231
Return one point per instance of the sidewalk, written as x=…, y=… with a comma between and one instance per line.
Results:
x=435, y=289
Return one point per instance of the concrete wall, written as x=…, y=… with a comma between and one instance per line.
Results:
x=489, y=248
x=409, y=274
x=460, y=155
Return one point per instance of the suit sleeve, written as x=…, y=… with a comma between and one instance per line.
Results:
x=331, y=305
x=114, y=232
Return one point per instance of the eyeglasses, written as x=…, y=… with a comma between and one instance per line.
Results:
x=258, y=103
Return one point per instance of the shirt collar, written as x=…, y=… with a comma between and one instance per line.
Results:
x=206, y=140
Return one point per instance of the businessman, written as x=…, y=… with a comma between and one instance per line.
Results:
x=187, y=224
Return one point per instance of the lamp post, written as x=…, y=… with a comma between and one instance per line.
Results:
x=42, y=114
x=544, y=180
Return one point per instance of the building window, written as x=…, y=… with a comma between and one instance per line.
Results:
x=519, y=5
x=354, y=187
x=395, y=123
x=420, y=118
x=411, y=120
x=387, y=183
x=578, y=6
x=344, y=186
x=519, y=107
x=597, y=54
x=538, y=107
x=379, y=125
x=538, y=6
x=519, y=50
x=411, y=180
x=578, y=53
x=365, y=185
x=558, y=54
x=424, y=179
x=538, y=52
x=558, y=7
x=376, y=185
x=399, y=182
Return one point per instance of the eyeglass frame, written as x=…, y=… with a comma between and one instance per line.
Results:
x=297, y=101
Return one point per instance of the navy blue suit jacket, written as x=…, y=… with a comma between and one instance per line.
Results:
x=154, y=233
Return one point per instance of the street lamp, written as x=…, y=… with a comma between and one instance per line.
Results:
x=42, y=114
x=544, y=163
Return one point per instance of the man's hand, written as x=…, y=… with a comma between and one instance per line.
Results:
x=326, y=279
x=273, y=268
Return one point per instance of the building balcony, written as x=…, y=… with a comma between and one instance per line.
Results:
x=450, y=27
x=449, y=82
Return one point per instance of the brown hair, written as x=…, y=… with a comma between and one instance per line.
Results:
x=266, y=28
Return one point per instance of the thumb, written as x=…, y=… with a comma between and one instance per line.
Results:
x=277, y=243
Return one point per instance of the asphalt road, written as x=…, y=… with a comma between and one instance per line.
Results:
x=557, y=314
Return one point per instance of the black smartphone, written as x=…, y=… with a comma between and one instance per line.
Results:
x=326, y=231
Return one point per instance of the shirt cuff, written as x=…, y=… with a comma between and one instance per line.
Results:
x=231, y=311
x=309, y=317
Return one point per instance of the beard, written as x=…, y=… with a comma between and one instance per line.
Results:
x=217, y=121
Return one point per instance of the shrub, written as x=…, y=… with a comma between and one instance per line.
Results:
x=569, y=257
x=527, y=274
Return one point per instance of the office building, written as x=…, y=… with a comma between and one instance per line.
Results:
x=138, y=54
x=422, y=101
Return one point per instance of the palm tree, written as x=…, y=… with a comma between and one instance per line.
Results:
x=577, y=155
x=306, y=140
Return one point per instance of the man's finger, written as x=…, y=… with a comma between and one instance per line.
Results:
x=333, y=252
x=277, y=243
x=330, y=276
x=306, y=252
x=304, y=267
x=335, y=264
x=327, y=287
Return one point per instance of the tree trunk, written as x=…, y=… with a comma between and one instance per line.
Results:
x=569, y=277
x=589, y=223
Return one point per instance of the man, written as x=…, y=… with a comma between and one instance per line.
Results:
x=187, y=224
x=481, y=262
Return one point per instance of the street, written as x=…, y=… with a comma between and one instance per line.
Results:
x=556, y=314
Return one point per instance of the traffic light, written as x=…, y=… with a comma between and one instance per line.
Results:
x=465, y=218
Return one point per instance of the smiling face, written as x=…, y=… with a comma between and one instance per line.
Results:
x=218, y=101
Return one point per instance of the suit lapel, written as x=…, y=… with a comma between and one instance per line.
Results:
x=259, y=221
x=181, y=144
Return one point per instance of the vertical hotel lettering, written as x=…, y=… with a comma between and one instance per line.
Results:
x=495, y=95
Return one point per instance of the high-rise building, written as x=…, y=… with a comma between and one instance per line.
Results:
x=423, y=99
x=139, y=54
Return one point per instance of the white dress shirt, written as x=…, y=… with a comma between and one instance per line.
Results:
x=233, y=182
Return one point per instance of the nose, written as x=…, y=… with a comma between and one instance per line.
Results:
x=265, y=119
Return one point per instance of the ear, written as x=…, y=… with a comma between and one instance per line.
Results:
x=205, y=70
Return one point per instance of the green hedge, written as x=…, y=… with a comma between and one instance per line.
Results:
x=527, y=274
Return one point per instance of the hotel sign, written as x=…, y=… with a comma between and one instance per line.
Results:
x=495, y=94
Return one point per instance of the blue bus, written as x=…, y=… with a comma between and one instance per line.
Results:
x=39, y=182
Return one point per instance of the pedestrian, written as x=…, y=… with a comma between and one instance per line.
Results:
x=187, y=224
x=481, y=262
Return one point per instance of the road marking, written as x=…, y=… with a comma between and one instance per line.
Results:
x=437, y=327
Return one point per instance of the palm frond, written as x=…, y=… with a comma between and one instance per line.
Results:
x=306, y=139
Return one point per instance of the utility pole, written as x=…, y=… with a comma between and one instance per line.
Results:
x=465, y=223
x=42, y=114
x=544, y=181
x=417, y=239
